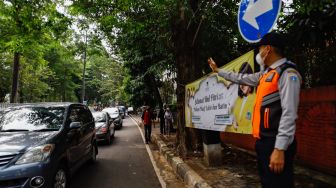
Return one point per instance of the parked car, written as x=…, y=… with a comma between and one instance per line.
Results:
x=42, y=145
x=122, y=111
x=130, y=109
x=115, y=116
x=105, y=128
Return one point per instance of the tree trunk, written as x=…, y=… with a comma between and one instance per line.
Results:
x=83, y=81
x=153, y=88
x=158, y=96
x=63, y=98
x=187, y=63
x=15, y=80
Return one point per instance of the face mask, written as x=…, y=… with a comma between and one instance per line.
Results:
x=260, y=61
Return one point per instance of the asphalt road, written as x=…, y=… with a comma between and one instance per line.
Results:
x=123, y=164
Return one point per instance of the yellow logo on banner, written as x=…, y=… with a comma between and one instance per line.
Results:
x=213, y=103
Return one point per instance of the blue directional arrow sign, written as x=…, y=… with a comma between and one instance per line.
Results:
x=257, y=17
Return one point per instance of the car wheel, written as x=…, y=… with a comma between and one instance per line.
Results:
x=113, y=133
x=60, y=178
x=93, y=154
x=118, y=127
x=108, y=139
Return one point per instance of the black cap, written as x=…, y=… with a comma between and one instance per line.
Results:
x=273, y=39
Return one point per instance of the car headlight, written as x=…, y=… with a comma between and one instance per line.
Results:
x=36, y=154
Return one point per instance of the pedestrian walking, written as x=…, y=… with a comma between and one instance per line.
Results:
x=147, y=121
x=162, y=121
x=275, y=110
x=168, y=116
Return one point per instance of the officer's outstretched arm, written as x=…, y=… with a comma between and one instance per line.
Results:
x=244, y=79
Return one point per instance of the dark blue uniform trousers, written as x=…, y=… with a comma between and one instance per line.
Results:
x=264, y=148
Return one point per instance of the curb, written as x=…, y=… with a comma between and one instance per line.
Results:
x=187, y=174
x=192, y=179
x=180, y=168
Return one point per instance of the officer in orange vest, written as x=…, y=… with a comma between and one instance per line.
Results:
x=275, y=110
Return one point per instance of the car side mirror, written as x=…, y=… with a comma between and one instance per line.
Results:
x=75, y=125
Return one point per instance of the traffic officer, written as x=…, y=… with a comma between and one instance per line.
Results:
x=275, y=110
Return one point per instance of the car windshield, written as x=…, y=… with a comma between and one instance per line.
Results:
x=99, y=117
x=31, y=119
x=112, y=110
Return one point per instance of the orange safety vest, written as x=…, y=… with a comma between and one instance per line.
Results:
x=267, y=108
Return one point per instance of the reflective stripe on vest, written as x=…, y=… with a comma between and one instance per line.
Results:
x=267, y=93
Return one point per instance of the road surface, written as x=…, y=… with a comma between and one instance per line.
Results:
x=123, y=164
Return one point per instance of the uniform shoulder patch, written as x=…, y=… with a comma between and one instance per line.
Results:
x=293, y=78
x=293, y=75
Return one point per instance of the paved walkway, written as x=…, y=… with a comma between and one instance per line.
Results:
x=239, y=168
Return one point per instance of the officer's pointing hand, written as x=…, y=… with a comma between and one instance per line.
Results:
x=213, y=65
x=277, y=161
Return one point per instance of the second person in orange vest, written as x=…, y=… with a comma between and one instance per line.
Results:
x=275, y=110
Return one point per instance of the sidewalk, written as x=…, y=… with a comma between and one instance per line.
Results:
x=238, y=169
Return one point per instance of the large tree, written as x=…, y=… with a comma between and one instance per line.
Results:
x=137, y=32
x=153, y=37
x=310, y=27
x=25, y=26
x=65, y=75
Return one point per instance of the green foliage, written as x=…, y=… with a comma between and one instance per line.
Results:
x=139, y=35
x=211, y=31
x=25, y=25
x=310, y=27
x=311, y=24
x=33, y=76
x=65, y=76
x=104, y=80
x=145, y=39
x=35, y=30
x=5, y=72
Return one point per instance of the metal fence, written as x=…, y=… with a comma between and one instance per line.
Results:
x=5, y=105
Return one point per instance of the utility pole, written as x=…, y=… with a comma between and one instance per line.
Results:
x=84, y=59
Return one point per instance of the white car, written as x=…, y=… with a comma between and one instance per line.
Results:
x=115, y=116
x=130, y=109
